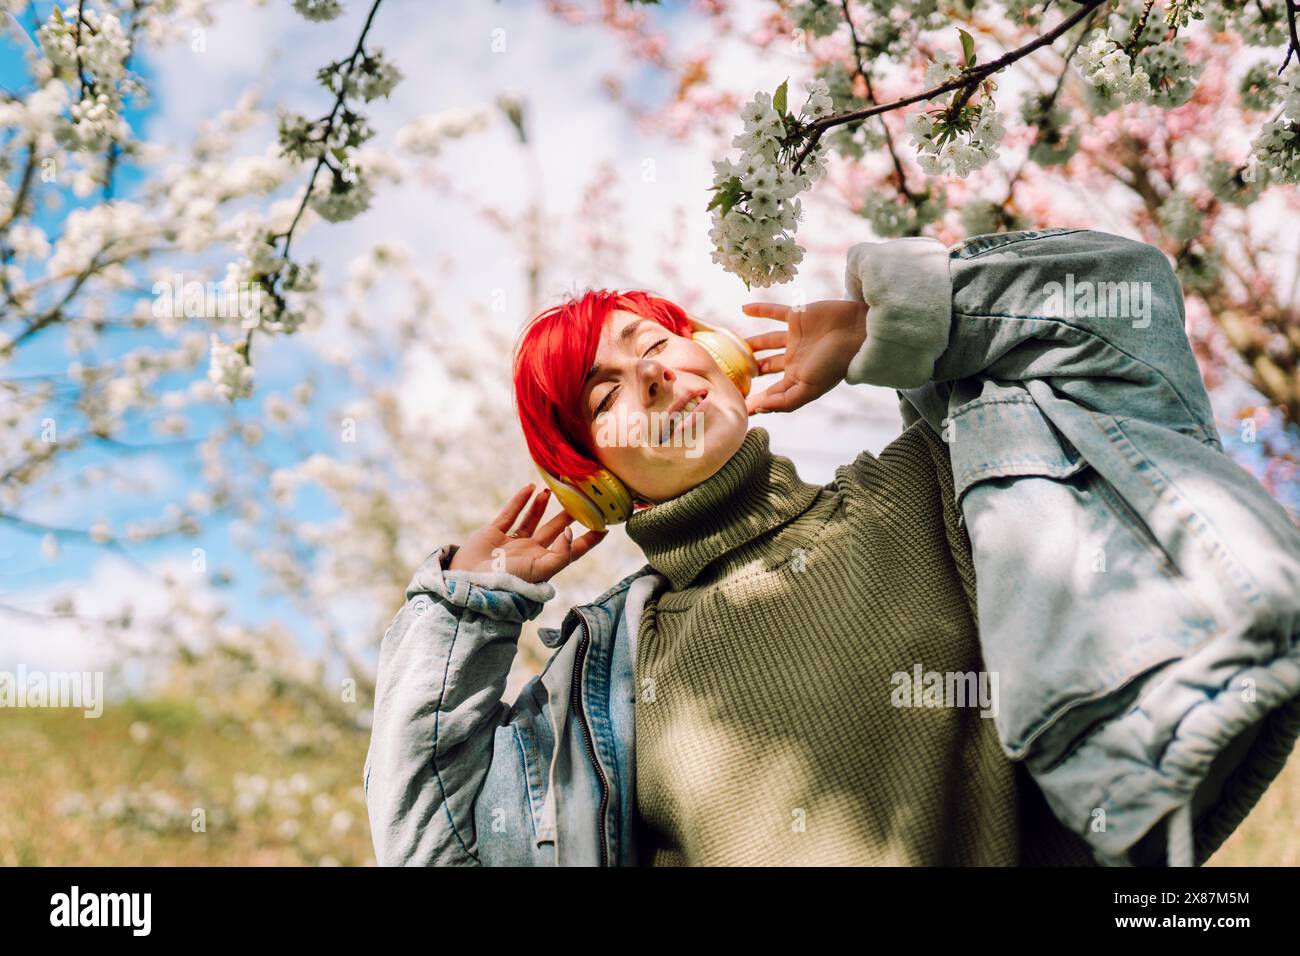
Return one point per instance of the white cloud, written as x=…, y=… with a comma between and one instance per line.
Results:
x=113, y=584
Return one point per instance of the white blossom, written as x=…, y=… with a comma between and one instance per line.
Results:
x=1275, y=152
x=960, y=154
x=424, y=136
x=1172, y=76
x=941, y=69
x=28, y=241
x=337, y=199
x=819, y=104
x=229, y=371
x=318, y=10
x=1106, y=67
x=755, y=212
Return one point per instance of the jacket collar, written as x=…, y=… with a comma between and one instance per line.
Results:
x=753, y=492
x=611, y=601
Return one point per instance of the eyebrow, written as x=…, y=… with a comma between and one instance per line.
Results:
x=624, y=337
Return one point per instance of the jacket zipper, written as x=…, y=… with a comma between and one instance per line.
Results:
x=576, y=701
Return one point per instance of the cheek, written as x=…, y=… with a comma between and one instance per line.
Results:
x=618, y=436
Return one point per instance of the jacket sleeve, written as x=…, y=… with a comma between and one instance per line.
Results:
x=1100, y=313
x=906, y=284
x=443, y=665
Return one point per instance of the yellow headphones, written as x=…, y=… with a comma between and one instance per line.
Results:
x=602, y=499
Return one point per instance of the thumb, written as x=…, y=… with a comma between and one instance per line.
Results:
x=769, y=400
x=556, y=557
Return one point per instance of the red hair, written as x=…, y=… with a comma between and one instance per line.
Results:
x=554, y=352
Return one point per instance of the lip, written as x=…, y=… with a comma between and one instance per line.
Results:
x=672, y=426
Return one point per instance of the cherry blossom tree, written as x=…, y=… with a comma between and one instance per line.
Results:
x=1174, y=122
x=82, y=262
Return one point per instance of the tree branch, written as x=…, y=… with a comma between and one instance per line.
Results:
x=287, y=235
x=965, y=78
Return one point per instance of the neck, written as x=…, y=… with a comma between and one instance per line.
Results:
x=753, y=493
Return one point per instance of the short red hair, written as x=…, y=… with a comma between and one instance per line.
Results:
x=554, y=352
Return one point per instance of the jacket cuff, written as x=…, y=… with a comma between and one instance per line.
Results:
x=496, y=594
x=907, y=286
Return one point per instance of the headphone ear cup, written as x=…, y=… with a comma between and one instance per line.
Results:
x=731, y=352
x=596, y=502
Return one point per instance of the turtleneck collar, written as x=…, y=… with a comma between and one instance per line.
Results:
x=752, y=493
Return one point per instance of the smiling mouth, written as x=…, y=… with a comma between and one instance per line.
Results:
x=676, y=419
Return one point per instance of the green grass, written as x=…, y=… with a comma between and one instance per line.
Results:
x=123, y=789
x=79, y=791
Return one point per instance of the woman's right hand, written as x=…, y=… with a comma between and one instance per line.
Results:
x=533, y=554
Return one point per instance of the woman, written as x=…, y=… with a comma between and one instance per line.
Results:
x=776, y=685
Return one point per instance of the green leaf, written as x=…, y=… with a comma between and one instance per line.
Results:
x=778, y=98
x=967, y=47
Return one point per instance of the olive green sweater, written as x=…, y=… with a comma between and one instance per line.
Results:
x=774, y=676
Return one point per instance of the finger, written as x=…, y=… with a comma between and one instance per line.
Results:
x=570, y=549
x=772, y=363
x=585, y=544
x=767, y=310
x=763, y=401
x=511, y=511
x=534, y=514
x=560, y=553
x=767, y=340
x=552, y=528
x=549, y=562
x=785, y=396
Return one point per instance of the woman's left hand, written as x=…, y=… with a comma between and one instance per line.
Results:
x=819, y=341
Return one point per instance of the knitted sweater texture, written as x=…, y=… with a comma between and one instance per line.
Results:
x=782, y=716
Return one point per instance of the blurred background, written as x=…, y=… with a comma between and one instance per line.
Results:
x=220, y=514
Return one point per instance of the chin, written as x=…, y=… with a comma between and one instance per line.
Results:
x=713, y=449
x=681, y=467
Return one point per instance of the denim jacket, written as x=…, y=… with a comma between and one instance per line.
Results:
x=1138, y=592
x=454, y=776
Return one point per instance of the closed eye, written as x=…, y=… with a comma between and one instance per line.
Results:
x=609, y=396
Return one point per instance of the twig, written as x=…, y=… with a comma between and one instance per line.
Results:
x=81, y=69
x=1048, y=103
x=1138, y=27
x=1294, y=47
x=287, y=235
x=871, y=96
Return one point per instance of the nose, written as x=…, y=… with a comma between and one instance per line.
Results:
x=657, y=378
